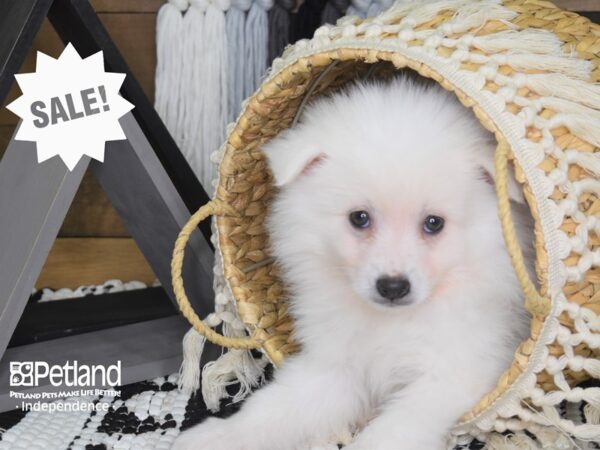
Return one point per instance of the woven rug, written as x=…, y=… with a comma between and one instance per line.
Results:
x=145, y=416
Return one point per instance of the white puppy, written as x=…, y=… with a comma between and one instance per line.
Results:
x=403, y=295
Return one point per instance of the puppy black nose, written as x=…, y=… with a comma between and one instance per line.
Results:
x=393, y=287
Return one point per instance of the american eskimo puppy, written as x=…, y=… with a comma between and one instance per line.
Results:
x=405, y=303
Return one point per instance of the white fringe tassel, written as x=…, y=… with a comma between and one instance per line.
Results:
x=592, y=413
x=583, y=127
x=236, y=21
x=189, y=372
x=515, y=442
x=476, y=14
x=192, y=83
x=256, y=45
x=572, y=67
x=235, y=366
x=587, y=161
x=531, y=41
x=169, y=31
x=422, y=13
x=561, y=86
x=215, y=65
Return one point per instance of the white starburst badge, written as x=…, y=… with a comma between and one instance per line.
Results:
x=70, y=106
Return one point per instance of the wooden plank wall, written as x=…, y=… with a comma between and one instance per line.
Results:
x=94, y=245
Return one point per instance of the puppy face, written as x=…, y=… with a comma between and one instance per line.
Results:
x=385, y=194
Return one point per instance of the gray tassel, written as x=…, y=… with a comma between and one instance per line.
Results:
x=279, y=27
x=334, y=9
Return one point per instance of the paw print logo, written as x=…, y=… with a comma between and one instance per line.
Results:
x=21, y=373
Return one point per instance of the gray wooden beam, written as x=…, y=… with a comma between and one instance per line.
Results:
x=19, y=22
x=34, y=199
x=151, y=208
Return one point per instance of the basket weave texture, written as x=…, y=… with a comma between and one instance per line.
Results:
x=529, y=71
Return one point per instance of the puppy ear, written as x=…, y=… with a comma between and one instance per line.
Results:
x=488, y=173
x=290, y=156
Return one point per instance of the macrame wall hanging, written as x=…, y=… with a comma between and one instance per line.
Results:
x=212, y=54
x=530, y=72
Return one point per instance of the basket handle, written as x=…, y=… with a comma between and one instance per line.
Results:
x=214, y=207
x=535, y=303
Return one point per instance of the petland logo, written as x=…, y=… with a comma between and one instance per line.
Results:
x=72, y=374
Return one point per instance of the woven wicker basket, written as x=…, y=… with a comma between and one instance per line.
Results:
x=528, y=71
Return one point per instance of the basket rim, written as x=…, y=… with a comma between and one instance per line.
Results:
x=373, y=51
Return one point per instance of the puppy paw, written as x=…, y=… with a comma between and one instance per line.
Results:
x=212, y=434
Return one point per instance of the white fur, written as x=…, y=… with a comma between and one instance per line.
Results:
x=402, y=374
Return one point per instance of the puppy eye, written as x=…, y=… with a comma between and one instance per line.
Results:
x=433, y=224
x=360, y=219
